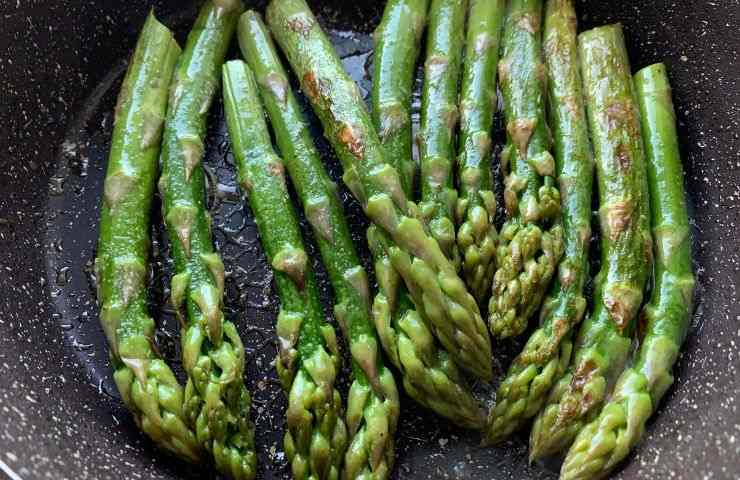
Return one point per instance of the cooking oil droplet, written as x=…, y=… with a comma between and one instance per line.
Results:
x=81, y=347
x=62, y=276
x=56, y=185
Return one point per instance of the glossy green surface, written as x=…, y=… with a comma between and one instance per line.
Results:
x=604, y=340
x=316, y=190
x=217, y=401
x=397, y=47
x=147, y=385
x=547, y=353
x=261, y=176
x=438, y=292
x=476, y=206
x=522, y=78
x=373, y=410
x=307, y=360
x=429, y=375
x=196, y=81
x=530, y=242
x=439, y=120
x=605, y=442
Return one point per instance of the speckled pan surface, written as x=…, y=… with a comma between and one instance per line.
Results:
x=60, y=66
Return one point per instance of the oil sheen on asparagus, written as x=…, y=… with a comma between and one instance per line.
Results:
x=530, y=243
x=429, y=375
x=397, y=44
x=439, y=294
x=439, y=120
x=603, y=343
x=146, y=383
x=308, y=357
x=217, y=402
x=373, y=404
x=606, y=441
x=547, y=352
x=476, y=205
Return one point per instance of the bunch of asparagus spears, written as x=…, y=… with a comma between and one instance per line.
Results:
x=569, y=104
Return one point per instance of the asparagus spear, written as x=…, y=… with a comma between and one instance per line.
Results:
x=439, y=117
x=547, y=352
x=397, y=40
x=438, y=292
x=217, y=401
x=530, y=245
x=603, y=343
x=147, y=385
x=476, y=207
x=428, y=374
x=373, y=404
x=308, y=357
x=606, y=441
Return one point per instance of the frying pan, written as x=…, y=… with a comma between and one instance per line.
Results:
x=61, y=63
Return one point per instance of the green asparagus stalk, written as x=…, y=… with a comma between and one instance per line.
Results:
x=606, y=441
x=530, y=244
x=308, y=357
x=397, y=43
x=604, y=340
x=547, y=352
x=373, y=404
x=438, y=292
x=216, y=399
x=147, y=385
x=476, y=207
x=439, y=118
x=428, y=374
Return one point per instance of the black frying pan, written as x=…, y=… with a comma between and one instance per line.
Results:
x=61, y=63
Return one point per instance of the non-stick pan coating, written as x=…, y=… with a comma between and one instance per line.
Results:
x=61, y=63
